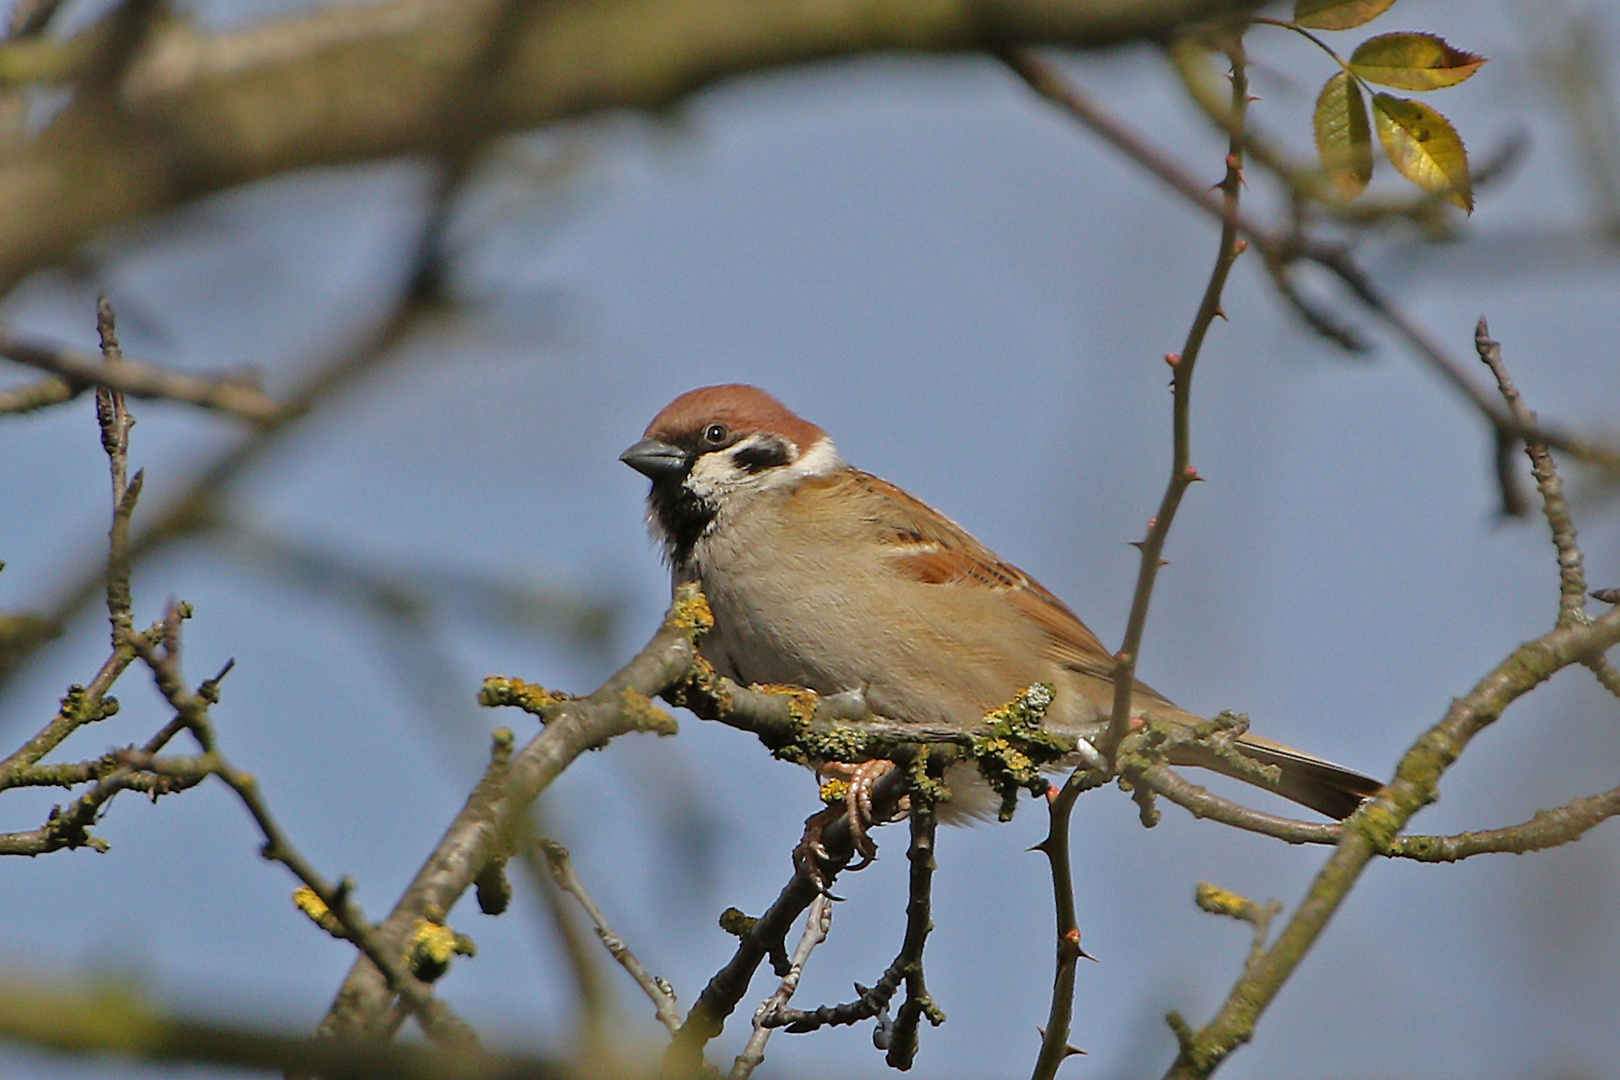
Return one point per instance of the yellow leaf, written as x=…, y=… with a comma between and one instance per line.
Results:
x=1338, y=14
x=1412, y=61
x=1343, y=135
x=1424, y=146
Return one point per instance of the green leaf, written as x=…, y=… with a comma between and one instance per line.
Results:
x=1424, y=146
x=1338, y=14
x=1343, y=135
x=1412, y=61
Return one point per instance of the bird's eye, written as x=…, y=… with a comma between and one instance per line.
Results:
x=715, y=434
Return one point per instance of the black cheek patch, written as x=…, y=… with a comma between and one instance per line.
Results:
x=767, y=455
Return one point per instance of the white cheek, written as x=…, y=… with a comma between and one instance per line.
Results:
x=820, y=459
x=713, y=475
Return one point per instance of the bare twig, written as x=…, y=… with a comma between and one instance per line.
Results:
x=115, y=421
x=816, y=925
x=599, y=1022
x=191, y=711
x=899, y=1035
x=81, y=705
x=657, y=990
x=766, y=934
x=1571, y=572
x=902, y=1049
x=80, y=370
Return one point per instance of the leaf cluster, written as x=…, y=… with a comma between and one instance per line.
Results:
x=1417, y=139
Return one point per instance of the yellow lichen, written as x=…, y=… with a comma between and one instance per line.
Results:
x=531, y=698
x=431, y=946
x=690, y=612
x=645, y=716
x=305, y=899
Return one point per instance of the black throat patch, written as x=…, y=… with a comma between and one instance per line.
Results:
x=683, y=516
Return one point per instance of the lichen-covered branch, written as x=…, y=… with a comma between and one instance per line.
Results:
x=1375, y=827
x=482, y=833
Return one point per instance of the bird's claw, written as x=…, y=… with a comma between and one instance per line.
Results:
x=810, y=856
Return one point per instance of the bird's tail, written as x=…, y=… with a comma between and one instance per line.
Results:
x=1306, y=779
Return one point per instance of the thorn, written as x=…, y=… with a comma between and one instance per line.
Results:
x=1220, y=313
x=1606, y=596
x=1040, y=847
x=1069, y=1049
x=1137, y=544
x=1191, y=475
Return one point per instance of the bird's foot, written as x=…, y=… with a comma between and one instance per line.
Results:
x=810, y=856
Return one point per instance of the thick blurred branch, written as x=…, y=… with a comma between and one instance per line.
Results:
x=116, y=1021
x=198, y=112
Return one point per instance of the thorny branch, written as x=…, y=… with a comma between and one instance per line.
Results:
x=1054, y=1042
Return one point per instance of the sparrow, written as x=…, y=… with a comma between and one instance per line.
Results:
x=823, y=576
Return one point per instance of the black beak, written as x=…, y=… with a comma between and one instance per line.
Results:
x=656, y=460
